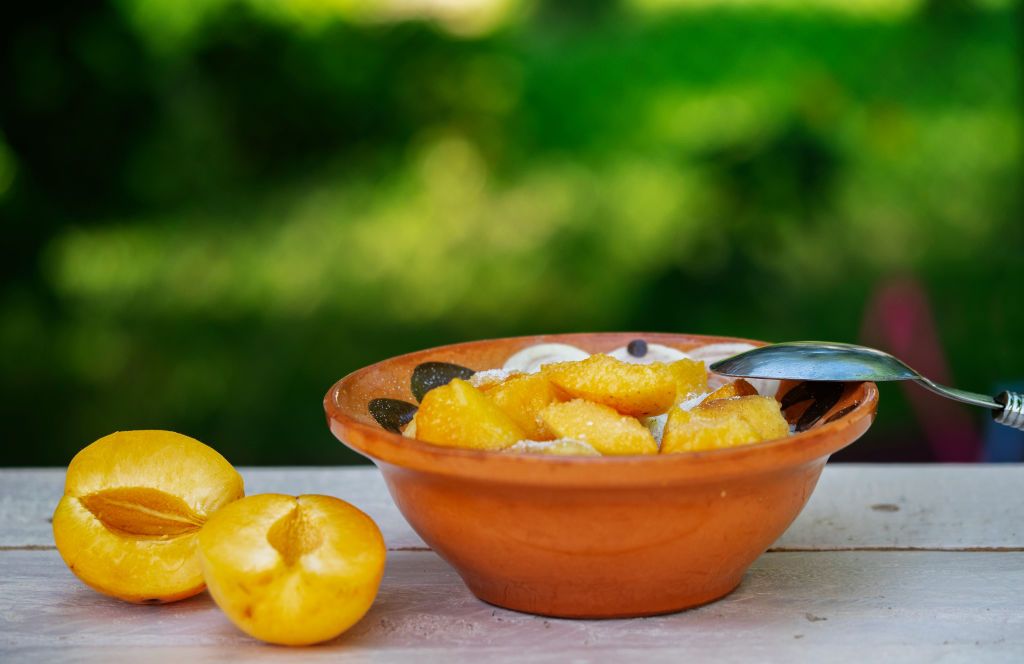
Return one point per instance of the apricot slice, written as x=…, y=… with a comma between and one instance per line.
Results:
x=632, y=389
x=688, y=432
x=723, y=423
x=459, y=415
x=522, y=398
x=737, y=388
x=764, y=414
x=691, y=378
x=133, y=504
x=292, y=571
x=600, y=426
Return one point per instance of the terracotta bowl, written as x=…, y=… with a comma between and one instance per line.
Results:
x=591, y=537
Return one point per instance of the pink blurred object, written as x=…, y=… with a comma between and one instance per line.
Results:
x=899, y=320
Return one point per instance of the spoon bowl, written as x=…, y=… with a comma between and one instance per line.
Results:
x=816, y=360
x=832, y=361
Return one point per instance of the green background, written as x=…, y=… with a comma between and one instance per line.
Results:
x=213, y=210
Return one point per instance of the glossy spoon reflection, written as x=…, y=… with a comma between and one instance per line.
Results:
x=830, y=361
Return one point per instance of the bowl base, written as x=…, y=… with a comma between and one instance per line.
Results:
x=584, y=606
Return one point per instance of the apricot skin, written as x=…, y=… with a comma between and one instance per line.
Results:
x=133, y=505
x=292, y=571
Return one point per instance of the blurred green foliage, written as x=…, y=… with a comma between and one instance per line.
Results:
x=213, y=210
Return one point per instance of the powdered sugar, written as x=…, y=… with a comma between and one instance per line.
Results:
x=693, y=402
x=559, y=447
x=489, y=377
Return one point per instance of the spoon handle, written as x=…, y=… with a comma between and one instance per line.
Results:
x=1012, y=414
x=964, y=396
x=1007, y=407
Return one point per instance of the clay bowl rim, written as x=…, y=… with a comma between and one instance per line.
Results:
x=382, y=446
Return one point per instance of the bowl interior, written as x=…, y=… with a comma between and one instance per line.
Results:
x=826, y=416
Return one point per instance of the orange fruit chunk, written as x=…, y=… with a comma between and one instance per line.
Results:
x=522, y=398
x=459, y=415
x=691, y=378
x=600, y=426
x=723, y=423
x=764, y=414
x=637, y=390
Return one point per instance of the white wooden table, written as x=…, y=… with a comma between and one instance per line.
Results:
x=907, y=563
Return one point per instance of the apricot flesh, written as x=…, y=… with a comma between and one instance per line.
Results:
x=600, y=427
x=723, y=423
x=764, y=414
x=522, y=398
x=691, y=378
x=689, y=432
x=292, y=571
x=133, y=505
x=637, y=390
x=459, y=415
x=597, y=404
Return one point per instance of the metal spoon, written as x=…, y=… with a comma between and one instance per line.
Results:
x=828, y=361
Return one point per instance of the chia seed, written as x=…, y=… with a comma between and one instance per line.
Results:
x=637, y=348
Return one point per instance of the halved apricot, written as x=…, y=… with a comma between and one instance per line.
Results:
x=292, y=571
x=459, y=415
x=600, y=426
x=133, y=504
x=632, y=389
x=522, y=397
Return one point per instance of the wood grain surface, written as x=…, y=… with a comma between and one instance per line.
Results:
x=908, y=563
